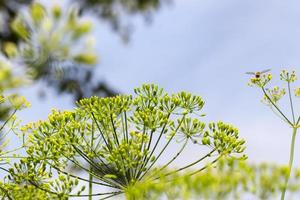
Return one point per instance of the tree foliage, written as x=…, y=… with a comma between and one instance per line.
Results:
x=50, y=43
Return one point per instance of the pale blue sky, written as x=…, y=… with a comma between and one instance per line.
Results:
x=205, y=47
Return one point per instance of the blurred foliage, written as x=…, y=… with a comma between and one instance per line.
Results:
x=8, y=11
x=112, y=11
x=230, y=179
x=57, y=47
x=117, y=11
x=49, y=41
x=9, y=79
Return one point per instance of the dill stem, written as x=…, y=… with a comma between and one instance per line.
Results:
x=292, y=148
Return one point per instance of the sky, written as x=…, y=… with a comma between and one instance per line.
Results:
x=205, y=47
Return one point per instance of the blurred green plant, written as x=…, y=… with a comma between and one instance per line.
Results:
x=56, y=45
x=230, y=179
x=271, y=98
x=8, y=11
x=50, y=41
x=9, y=80
x=50, y=35
x=116, y=13
x=117, y=141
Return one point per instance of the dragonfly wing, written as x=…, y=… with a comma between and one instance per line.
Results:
x=267, y=70
x=251, y=73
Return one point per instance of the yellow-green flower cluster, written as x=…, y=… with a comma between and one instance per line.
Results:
x=260, y=81
x=288, y=76
x=121, y=138
x=274, y=95
x=297, y=92
x=49, y=38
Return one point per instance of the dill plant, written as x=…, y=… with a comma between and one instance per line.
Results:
x=9, y=105
x=230, y=179
x=271, y=97
x=118, y=140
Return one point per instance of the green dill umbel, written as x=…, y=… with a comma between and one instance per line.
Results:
x=230, y=179
x=118, y=140
x=271, y=97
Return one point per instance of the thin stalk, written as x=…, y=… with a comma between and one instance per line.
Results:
x=292, y=149
x=91, y=168
x=291, y=102
x=201, y=169
x=4, y=169
x=98, y=194
x=125, y=173
x=160, y=135
x=283, y=115
x=145, y=162
x=10, y=151
x=145, y=157
x=87, y=159
x=192, y=164
x=8, y=157
x=123, y=127
x=174, y=158
x=140, y=167
x=117, y=184
x=206, y=166
x=3, y=125
x=84, y=156
x=6, y=193
x=126, y=126
x=117, y=193
x=166, y=145
x=77, y=177
x=98, y=126
x=73, y=195
x=114, y=130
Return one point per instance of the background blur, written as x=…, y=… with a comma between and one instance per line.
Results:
x=204, y=47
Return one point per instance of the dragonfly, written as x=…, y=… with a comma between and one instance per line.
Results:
x=259, y=73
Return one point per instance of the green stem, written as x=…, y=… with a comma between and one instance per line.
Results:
x=291, y=102
x=6, y=193
x=10, y=151
x=98, y=126
x=115, y=135
x=75, y=195
x=77, y=177
x=126, y=126
x=283, y=115
x=290, y=162
x=191, y=164
x=176, y=156
x=91, y=168
x=164, y=148
x=10, y=117
x=153, y=149
x=206, y=166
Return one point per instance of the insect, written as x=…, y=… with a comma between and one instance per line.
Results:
x=258, y=74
